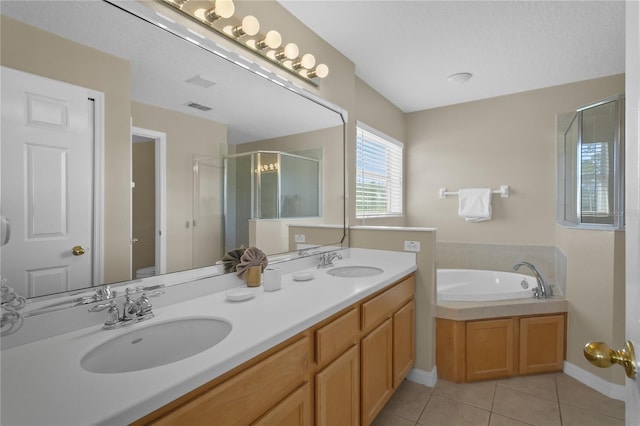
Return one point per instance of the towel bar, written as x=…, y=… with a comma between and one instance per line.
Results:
x=503, y=191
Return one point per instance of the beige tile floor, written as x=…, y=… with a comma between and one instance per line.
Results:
x=542, y=400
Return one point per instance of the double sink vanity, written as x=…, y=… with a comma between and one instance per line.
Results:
x=345, y=337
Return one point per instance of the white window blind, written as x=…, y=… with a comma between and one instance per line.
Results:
x=594, y=183
x=378, y=174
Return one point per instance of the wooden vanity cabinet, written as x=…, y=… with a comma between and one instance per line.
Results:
x=337, y=380
x=337, y=390
x=388, y=345
x=542, y=344
x=339, y=372
x=377, y=370
x=489, y=349
x=246, y=396
x=501, y=347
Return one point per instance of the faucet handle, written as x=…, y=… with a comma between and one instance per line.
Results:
x=102, y=306
x=143, y=304
x=113, y=317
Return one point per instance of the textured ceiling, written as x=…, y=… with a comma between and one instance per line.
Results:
x=406, y=49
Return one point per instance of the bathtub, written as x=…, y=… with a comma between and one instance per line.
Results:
x=479, y=285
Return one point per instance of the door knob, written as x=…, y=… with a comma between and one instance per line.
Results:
x=77, y=251
x=134, y=240
x=601, y=355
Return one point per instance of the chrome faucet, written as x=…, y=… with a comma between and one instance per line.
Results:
x=326, y=259
x=542, y=291
x=132, y=312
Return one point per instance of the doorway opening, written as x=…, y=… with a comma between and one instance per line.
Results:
x=148, y=203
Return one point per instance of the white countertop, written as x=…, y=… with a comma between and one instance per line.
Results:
x=43, y=383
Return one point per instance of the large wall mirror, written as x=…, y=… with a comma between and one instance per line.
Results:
x=121, y=140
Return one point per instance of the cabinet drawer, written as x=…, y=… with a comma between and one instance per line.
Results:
x=338, y=335
x=248, y=395
x=383, y=305
x=295, y=410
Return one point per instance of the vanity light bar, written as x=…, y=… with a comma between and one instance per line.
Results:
x=219, y=16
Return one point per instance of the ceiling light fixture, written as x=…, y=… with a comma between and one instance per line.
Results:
x=218, y=15
x=459, y=78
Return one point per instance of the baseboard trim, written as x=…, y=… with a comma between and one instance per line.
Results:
x=606, y=388
x=427, y=378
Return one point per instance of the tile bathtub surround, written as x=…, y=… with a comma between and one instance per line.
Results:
x=545, y=400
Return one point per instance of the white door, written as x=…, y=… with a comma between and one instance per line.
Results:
x=632, y=211
x=632, y=177
x=47, y=184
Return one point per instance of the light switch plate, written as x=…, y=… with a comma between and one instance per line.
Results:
x=300, y=238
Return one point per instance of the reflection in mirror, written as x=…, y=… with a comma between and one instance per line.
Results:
x=155, y=204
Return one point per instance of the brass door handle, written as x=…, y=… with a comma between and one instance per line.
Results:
x=601, y=355
x=77, y=251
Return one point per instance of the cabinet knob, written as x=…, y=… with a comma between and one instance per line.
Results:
x=601, y=355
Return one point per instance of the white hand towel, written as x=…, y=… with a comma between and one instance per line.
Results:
x=475, y=204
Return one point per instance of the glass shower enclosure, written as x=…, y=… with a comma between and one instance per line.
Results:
x=268, y=186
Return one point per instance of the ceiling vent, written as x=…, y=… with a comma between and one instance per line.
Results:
x=201, y=81
x=198, y=106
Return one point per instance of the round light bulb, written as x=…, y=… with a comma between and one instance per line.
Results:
x=290, y=51
x=307, y=62
x=250, y=26
x=272, y=40
x=321, y=71
x=225, y=8
x=220, y=9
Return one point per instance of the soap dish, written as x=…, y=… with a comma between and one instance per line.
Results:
x=239, y=294
x=303, y=276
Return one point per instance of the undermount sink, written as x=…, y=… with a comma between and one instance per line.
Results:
x=155, y=345
x=355, y=271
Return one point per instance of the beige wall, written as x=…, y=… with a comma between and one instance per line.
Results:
x=187, y=137
x=595, y=291
x=31, y=50
x=507, y=140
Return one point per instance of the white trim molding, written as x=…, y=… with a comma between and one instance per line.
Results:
x=427, y=378
x=606, y=388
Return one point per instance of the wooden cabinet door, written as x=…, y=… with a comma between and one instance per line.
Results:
x=404, y=343
x=338, y=391
x=377, y=380
x=294, y=410
x=542, y=343
x=489, y=349
x=246, y=396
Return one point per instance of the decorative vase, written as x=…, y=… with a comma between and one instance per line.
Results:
x=253, y=276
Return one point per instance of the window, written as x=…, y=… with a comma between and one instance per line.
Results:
x=378, y=174
x=591, y=161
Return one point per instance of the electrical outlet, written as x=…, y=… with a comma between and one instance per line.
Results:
x=412, y=246
x=300, y=238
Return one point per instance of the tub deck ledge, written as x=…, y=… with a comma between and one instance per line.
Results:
x=465, y=311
